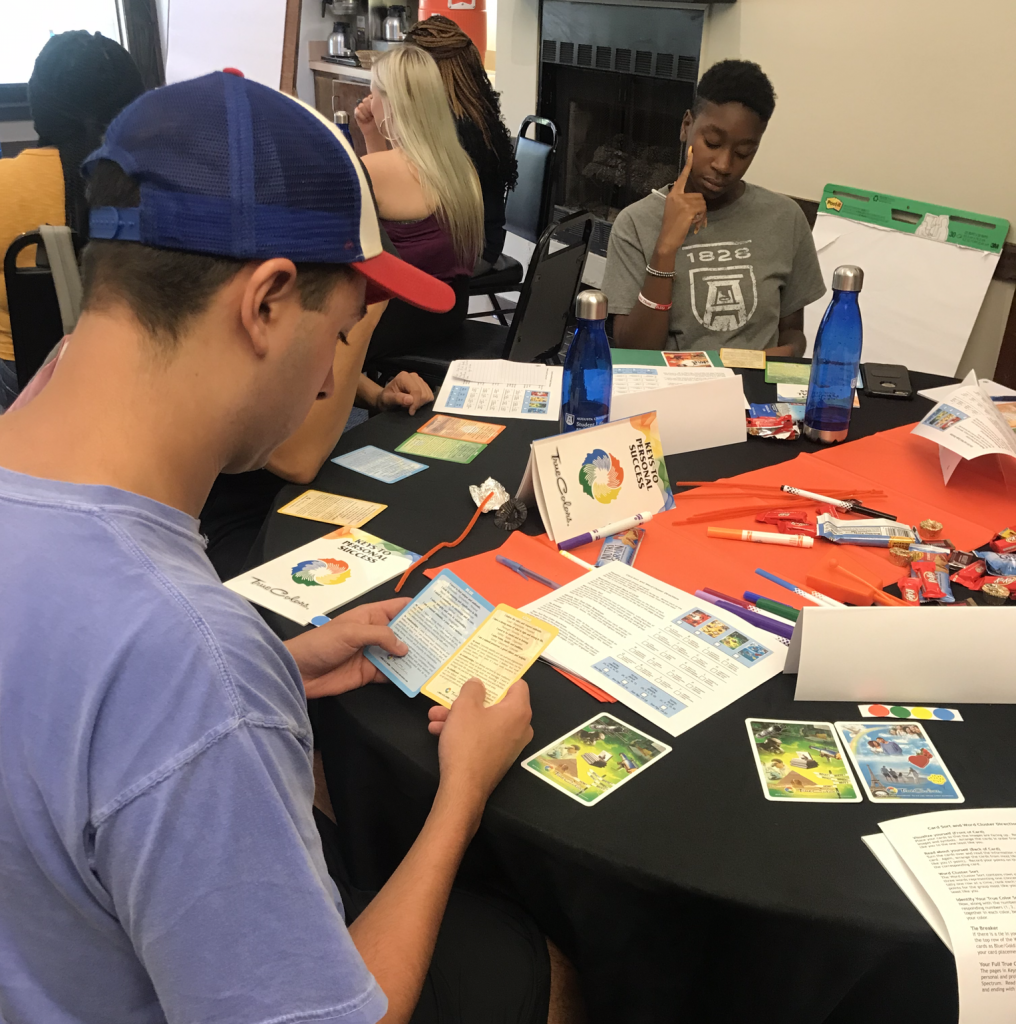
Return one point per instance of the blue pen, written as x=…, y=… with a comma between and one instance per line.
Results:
x=527, y=573
x=762, y=621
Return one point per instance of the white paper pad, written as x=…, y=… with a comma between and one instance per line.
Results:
x=206, y=37
x=500, y=371
x=690, y=416
x=920, y=297
x=902, y=655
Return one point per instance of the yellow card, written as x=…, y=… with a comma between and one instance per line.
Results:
x=499, y=652
x=750, y=358
x=461, y=430
x=332, y=508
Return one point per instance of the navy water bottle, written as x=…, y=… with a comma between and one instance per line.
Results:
x=835, y=361
x=341, y=119
x=588, y=374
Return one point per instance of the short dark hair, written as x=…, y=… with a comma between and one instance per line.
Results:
x=737, y=81
x=164, y=288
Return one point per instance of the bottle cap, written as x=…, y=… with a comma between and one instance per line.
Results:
x=848, y=279
x=340, y=117
x=591, y=305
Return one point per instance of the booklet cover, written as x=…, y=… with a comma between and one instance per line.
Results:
x=590, y=478
x=319, y=577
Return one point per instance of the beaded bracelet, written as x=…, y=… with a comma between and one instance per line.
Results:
x=660, y=273
x=654, y=305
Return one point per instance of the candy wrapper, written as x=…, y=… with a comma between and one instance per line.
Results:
x=868, y=532
x=479, y=492
x=910, y=590
x=774, y=420
x=787, y=521
x=1004, y=542
x=1000, y=565
x=934, y=582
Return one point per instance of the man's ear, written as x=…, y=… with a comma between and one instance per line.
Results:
x=268, y=291
x=686, y=123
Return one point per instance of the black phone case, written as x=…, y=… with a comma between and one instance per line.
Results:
x=883, y=380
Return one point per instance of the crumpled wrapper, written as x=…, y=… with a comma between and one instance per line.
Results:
x=480, y=491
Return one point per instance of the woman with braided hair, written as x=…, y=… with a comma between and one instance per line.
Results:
x=79, y=84
x=477, y=112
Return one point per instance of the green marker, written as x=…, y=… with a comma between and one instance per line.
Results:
x=768, y=605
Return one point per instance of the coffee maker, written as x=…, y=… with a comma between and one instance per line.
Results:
x=351, y=20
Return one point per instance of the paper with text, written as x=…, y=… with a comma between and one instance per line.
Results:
x=672, y=657
x=332, y=508
x=537, y=399
x=965, y=860
x=433, y=626
x=461, y=430
x=499, y=371
x=505, y=644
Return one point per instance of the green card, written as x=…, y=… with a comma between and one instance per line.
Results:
x=654, y=357
x=441, y=448
x=787, y=373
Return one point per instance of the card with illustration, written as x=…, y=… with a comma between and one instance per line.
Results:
x=459, y=429
x=897, y=761
x=595, y=759
x=787, y=373
x=687, y=359
x=378, y=464
x=801, y=761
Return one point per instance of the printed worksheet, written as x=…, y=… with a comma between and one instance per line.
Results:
x=630, y=379
x=659, y=650
x=965, y=861
x=524, y=391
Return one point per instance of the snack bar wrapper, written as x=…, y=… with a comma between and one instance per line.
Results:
x=874, y=533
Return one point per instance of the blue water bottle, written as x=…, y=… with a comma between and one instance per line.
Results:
x=835, y=361
x=588, y=374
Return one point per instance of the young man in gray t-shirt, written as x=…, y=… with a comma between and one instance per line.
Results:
x=719, y=262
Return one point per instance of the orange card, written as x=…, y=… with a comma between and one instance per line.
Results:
x=461, y=430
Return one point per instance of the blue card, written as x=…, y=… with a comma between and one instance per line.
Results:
x=433, y=626
x=379, y=464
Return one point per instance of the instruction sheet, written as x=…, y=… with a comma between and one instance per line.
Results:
x=522, y=391
x=659, y=650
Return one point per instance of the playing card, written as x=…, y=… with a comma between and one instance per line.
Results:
x=801, y=761
x=595, y=759
x=446, y=448
x=461, y=430
x=897, y=761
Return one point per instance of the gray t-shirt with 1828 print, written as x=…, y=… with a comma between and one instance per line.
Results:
x=753, y=263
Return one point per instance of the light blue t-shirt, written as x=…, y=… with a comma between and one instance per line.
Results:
x=158, y=854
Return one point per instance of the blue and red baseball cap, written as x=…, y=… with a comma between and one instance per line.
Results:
x=229, y=167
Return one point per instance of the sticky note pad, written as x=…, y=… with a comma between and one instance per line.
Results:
x=441, y=448
x=379, y=464
x=461, y=430
x=332, y=508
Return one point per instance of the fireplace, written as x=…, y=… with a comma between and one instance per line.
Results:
x=616, y=79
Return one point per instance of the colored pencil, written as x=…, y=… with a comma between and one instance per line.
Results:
x=812, y=595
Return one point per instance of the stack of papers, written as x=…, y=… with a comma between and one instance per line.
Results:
x=970, y=421
x=497, y=387
x=958, y=868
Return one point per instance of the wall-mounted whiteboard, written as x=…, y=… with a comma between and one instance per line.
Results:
x=207, y=37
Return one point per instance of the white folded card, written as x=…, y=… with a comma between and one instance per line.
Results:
x=906, y=655
x=690, y=417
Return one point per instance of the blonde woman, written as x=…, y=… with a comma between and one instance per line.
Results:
x=427, y=191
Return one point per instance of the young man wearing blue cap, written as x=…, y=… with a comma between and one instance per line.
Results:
x=159, y=856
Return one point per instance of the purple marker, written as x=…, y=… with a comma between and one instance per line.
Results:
x=605, y=531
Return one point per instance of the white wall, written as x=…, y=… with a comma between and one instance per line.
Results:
x=518, y=29
x=312, y=26
x=912, y=99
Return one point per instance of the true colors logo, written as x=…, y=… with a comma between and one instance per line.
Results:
x=320, y=572
x=601, y=476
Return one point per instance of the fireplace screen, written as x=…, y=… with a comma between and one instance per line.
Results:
x=619, y=135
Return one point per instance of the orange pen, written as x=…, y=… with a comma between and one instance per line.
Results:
x=790, y=540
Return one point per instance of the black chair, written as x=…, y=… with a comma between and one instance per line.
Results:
x=36, y=325
x=538, y=327
x=527, y=211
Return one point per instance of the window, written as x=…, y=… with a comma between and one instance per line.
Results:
x=25, y=25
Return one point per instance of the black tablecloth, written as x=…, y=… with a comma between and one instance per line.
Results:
x=685, y=896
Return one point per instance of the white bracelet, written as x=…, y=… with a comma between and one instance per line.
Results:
x=654, y=305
